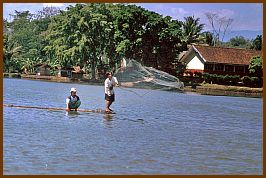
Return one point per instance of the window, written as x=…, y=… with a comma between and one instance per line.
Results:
x=246, y=69
x=208, y=67
x=219, y=67
x=239, y=69
x=229, y=68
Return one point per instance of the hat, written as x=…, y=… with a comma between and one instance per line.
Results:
x=73, y=90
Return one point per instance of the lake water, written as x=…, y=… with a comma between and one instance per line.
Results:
x=158, y=133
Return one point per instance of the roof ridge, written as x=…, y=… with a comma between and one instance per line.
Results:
x=225, y=55
x=221, y=47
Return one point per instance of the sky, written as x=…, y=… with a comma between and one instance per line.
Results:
x=246, y=16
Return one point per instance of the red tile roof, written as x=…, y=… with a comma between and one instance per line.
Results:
x=227, y=55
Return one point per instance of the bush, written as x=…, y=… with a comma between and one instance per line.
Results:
x=188, y=73
x=214, y=78
x=221, y=79
x=257, y=82
x=227, y=78
x=14, y=75
x=198, y=74
x=235, y=79
x=206, y=77
x=252, y=81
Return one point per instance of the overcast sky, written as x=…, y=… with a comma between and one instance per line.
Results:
x=246, y=16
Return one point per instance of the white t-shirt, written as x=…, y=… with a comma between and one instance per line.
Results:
x=72, y=99
x=110, y=83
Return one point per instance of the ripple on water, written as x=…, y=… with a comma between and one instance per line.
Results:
x=159, y=133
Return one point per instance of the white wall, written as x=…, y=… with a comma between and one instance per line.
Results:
x=195, y=63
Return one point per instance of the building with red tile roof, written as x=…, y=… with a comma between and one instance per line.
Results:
x=218, y=60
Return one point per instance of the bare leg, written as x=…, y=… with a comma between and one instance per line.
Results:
x=107, y=106
x=110, y=102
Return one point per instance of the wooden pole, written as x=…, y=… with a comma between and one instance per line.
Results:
x=38, y=107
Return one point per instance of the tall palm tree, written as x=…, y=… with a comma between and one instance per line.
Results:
x=191, y=30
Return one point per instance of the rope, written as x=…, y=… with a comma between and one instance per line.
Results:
x=134, y=91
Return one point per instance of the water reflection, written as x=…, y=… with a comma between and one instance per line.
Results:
x=72, y=114
x=107, y=120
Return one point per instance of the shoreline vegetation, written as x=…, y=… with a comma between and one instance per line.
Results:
x=87, y=40
x=202, y=89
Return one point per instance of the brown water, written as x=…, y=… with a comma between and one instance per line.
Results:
x=159, y=133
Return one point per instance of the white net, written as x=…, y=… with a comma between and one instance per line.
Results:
x=133, y=74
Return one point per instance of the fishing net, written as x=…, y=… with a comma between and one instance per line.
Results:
x=133, y=74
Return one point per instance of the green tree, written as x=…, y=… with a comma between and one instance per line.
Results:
x=208, y=38
x=192, y=30
x=94, y=36
x=146, y=36
x=11, y=52
x=257, y=43
x=129, y=24
x=22, y=35
x=80, y=36
x=239, y=42
x=256, y=66
x=170, y=43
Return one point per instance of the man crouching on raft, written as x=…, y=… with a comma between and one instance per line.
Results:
x=109, y=85
x=73, y=101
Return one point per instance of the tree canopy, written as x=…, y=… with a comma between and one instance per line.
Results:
x=96, y=36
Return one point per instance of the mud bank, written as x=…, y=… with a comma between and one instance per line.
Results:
x=223, y=90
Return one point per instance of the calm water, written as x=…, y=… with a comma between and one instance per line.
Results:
x=159, y=133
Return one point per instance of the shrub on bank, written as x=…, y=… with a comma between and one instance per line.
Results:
x=198, y=74
x=12, y=75
x=252, y=81
x=232, y=80
x=221, y=79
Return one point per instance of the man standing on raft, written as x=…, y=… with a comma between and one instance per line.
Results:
x=109, y=85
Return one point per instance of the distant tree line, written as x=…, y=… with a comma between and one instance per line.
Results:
x=96, y=36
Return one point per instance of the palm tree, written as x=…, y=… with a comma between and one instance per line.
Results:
x=191, y=30
x=208, y=38
x=27, y=66
x=257, y=43
x=10, y=52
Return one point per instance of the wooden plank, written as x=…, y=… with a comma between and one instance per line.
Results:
x=38, y=107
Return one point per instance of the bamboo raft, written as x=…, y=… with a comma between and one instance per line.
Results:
x=56, y=109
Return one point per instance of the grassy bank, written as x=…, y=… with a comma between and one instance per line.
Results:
x=224, y=90
x=12, y=75
x=53, y=78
